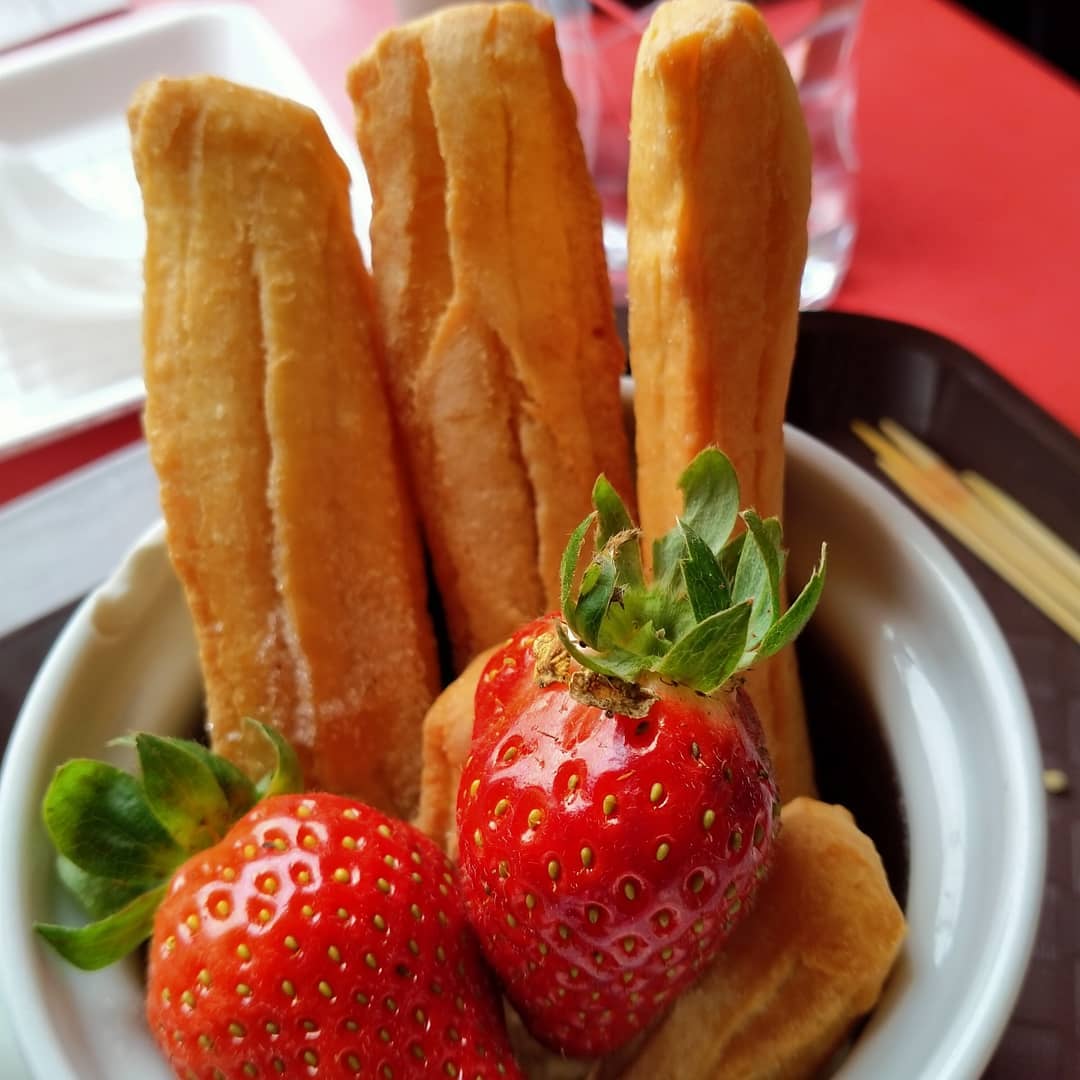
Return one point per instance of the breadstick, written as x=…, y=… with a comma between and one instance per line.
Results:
x=798, y=974
x=502, y=354
x=268, y=427
x=448, y=730
x=719, y=191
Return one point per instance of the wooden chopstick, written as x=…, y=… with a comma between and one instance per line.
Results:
x=1049, y=555
x=1047, y=544
x=1007, y=537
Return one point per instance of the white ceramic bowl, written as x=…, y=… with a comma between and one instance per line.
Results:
x=899, y=615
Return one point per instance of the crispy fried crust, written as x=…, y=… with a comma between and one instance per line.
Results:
x=719, y=191
x=447, y=736
x=268, y=427
x=502, y=354
x=798, y=973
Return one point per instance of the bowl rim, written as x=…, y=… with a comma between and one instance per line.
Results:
x=1019, y=903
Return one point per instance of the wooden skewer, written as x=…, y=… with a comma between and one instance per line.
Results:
x=917, y=451
x=981, y=526
x=1048, y=545
x=1047, y=555
x=872, y=437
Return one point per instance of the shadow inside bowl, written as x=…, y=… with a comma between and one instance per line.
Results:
x=852, y=762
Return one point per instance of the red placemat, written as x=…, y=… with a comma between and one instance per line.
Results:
x=969, y=219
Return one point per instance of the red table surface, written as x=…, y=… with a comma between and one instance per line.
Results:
x=969, y=217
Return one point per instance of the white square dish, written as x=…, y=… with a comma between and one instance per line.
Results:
x=70, y=214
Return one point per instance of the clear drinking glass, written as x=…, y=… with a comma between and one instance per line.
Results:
x=599, y=43
x=817, y=37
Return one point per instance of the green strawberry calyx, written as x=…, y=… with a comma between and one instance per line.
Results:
x=712, y=609
x=120, y=838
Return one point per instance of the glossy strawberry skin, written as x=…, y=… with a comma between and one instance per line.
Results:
x=605, y=859
x=321, y=938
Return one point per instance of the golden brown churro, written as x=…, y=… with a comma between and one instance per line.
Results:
x=448, y=730
x=797, y=975
x=502, y=354
x=268, y=427
x=719, y=192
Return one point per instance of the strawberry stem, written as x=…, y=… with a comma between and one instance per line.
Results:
x=714, y=606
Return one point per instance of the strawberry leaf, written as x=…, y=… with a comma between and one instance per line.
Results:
x=707, y=656
x=710, y=507
x=791, y=623
x=728, y=559
x=103, y=942
x=667, y=551
x=714, y=604
x=628, y=626
x=757, y=577
x=705, y=585
x=238, y=790
x=285, y=777
x=710, y=497
x=775, y=534
x=597, y=588
x=568, y=568
x=613, y=523
x=616, y=662
x=98, y=896
x=98, y=816
x=183, y=792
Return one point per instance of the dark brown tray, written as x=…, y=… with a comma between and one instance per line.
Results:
x=848, y=367
x=852, y=366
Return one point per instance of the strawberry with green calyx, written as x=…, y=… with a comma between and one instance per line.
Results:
x=617, y=811
x=312, y=936
x=119, y=839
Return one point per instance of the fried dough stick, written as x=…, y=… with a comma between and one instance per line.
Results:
x=502, y=354
x=719, y=191
x=448, y=728
x=797, y=975
x=267, y=424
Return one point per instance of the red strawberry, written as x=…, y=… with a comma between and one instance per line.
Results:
x=318, y=937
x=617, y=811
x=321, y=935
x=607, y=856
